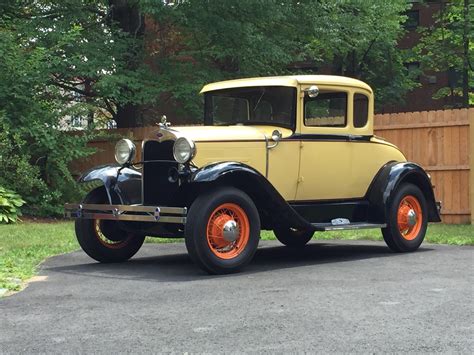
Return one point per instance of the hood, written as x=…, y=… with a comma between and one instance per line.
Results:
x=220, y=133
x=223, y=133
x=244, y=144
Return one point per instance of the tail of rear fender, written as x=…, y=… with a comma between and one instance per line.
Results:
x=272, y=206
x=123, y=185
x=389, y=177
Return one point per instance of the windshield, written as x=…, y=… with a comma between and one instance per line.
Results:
x=268, y=105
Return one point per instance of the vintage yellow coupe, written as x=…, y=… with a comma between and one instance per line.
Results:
x=292, y=154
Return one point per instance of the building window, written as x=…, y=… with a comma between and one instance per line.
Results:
x=413, y=70
x=413, y=20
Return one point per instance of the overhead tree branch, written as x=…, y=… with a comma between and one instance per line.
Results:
x=73, y=88
x=366, y=53
x=110, y=108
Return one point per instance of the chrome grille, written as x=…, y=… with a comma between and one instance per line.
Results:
x=158, y=160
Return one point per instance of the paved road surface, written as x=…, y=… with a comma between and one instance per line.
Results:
x=329, y=297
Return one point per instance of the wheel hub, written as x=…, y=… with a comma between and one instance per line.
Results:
x=412, y=218
x=231, y=231
x=409, y=217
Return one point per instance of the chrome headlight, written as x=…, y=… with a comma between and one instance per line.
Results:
x=183, y=150
x=124, y=151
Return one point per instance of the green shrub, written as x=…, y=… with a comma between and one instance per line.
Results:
x=34, y=152
x=10, y=204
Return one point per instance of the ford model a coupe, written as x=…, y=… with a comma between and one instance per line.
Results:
x=293, y=154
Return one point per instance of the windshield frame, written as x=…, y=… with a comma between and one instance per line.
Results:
x=208, y=120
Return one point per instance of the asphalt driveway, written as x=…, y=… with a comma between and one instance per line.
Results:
x=328, y=297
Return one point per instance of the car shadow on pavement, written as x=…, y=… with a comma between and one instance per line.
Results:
x=178, y=267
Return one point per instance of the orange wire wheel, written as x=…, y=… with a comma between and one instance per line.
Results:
x=228, y=231
x=106, y=242
x=409, y=217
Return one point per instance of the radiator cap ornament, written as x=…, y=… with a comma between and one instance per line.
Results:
x=164, y=123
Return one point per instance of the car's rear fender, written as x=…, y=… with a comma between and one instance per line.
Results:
x=386, y=182
x=123, y=185
x=271, y=205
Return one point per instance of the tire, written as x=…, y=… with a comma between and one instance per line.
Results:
x=103, y=240
x=204, y=231
x=292, y=237
x=404, y=234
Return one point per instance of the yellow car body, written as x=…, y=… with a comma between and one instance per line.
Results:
x=344, y=169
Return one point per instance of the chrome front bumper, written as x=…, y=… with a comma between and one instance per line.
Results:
x=137, y=213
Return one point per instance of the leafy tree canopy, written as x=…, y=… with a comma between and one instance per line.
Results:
x=34, y=152
x=116, y=57
x=200, y=41
x=91, y=59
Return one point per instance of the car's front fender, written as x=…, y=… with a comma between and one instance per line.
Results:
x=123, y=185
x=272, y=206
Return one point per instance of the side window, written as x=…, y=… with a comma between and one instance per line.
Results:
x=361, y=110
x=328, y=109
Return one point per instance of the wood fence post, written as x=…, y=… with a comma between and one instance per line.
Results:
x=470, y=117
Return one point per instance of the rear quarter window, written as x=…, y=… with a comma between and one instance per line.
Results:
x=361, y=110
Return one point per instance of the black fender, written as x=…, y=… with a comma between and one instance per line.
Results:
x=386, y=182
x=123, y=185
x=271, y=205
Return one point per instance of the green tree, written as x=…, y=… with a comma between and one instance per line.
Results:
x=448, y=45
x=34, y=152
x=95, y=54
x=60, y=60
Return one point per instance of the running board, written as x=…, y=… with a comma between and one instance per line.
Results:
x=336, y=227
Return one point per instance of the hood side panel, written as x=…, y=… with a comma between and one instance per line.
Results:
x=250, y=153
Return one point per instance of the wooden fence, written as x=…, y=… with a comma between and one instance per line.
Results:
x=437, y=140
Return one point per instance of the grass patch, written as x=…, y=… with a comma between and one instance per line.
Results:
x=25, y=245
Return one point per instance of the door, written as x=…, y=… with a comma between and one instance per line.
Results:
x=283, y=166
x=325, y=147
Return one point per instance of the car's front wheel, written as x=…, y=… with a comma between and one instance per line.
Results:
x=222, y=230
x=407, y=219
x=104, y=240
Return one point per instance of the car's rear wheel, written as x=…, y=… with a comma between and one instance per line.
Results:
x=222, y=231
x=407, y=220
x=104, y=240
x=293, y=237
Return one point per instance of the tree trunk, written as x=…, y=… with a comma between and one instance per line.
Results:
x=88, y=99
x=127, y=16
x=127, y=116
